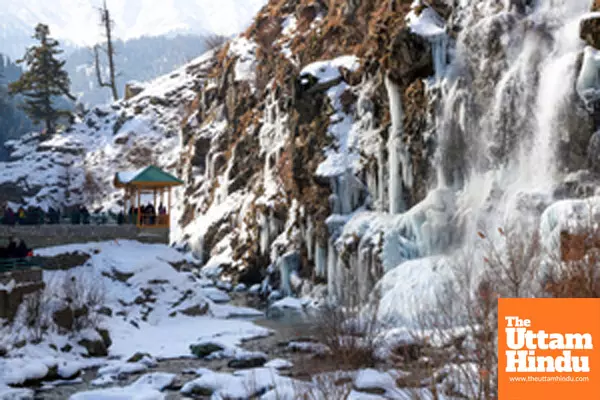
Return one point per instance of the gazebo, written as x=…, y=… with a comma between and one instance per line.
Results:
x=150, y=180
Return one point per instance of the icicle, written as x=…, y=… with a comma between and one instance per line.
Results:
x=439, y=48
x=362, y=273
x=332, y=272
x=380, y=179
x=321, y=261
x=273, y=225
x=308, y=238
x=288, y=264
x=396, y=202
x=209, y=173
x=264, y=234
x=372, y=186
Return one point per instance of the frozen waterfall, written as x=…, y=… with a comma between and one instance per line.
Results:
x=503, y=107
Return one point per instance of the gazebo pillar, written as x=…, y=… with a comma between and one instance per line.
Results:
x=157, y=216
x=139, y=207
x=169, y=209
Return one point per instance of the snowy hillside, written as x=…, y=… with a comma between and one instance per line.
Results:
x=126, y=135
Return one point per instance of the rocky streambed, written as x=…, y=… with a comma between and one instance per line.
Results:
x=287, y=327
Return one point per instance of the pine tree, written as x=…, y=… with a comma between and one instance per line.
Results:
x=44, y=80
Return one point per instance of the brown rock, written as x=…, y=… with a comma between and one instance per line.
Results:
x=589, y=31
x=95, y=348
x=105, y=335
x=131, y=90
x=196, y=310
x=64, y=318
x=409, y=58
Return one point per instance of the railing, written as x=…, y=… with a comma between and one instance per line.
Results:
x=154, y=221
x=65, y=219
x=15, y=264
x=146, y=220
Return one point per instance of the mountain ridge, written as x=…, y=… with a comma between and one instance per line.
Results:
x=133, y=19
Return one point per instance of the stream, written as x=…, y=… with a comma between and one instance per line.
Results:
x=286, y=326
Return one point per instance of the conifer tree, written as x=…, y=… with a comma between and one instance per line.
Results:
x=44, y=80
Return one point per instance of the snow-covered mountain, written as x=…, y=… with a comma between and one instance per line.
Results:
x=74, y=21
x=142, y=59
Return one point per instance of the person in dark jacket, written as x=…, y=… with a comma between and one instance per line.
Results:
x=11, y=249
x=21, y=250
x=85, y=215
x=9, y=216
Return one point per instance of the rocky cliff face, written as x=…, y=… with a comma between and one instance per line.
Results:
x=334, y=141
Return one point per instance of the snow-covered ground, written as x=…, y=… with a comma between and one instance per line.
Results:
x=152, y=307
x=156, y=306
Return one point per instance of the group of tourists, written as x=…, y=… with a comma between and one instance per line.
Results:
x=75, y=215
x=148, y=213
x=38, y=216
x=14, y=250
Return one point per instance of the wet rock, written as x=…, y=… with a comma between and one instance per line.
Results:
x=251, y=275
x=138, y=357
x=199, y=390
x=196, y=310
x=105, y=335
x=95, y=348
x=205, y=349
x=248, y=360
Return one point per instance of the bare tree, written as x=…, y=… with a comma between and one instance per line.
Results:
x=107, y=24
x=214, y=41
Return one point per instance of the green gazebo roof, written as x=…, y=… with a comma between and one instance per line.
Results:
x=148, y=176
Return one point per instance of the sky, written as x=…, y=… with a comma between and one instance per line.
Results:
x=77, y=20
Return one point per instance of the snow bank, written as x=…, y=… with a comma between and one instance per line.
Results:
x=329, y=70
x=245, y=50
x=148, y=300
x=427, y=23
x=147, y=387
